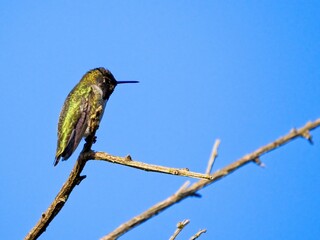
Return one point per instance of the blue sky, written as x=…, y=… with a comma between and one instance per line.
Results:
x=242, y=71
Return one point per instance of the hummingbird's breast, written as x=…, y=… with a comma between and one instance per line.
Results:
x=97, y=103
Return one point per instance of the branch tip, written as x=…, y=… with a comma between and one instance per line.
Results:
x=306, y=134
x=80, y=178
x=213, y=156
x=197, y=195
x=183, y=223
x=259, y=163
x=198, y=234
x=311, y=141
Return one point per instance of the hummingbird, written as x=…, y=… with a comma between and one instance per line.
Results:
x=89, y=95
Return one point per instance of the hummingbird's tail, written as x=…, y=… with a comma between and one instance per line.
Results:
x=56, y=160
x=67, y=152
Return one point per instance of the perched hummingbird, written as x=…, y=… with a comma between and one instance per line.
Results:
x=90, y=94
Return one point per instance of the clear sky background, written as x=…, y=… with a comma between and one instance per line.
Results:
x=243, y=71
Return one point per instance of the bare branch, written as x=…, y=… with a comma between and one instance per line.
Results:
x=180, y=226
x=86, y=154
x=198, y=234
x=190, y=191
x=213, y=156
x=127, y=161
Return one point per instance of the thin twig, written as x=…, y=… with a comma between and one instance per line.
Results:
x=190, y=191
x=213, y=156
x=180, y=226
x=127, y=161
x=198, y=234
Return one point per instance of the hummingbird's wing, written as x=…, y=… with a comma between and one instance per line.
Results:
x=72, y=126
x=77, y=132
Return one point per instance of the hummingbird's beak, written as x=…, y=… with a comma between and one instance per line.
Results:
x=121, y=82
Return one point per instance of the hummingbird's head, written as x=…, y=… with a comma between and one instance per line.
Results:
x=106, y=82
